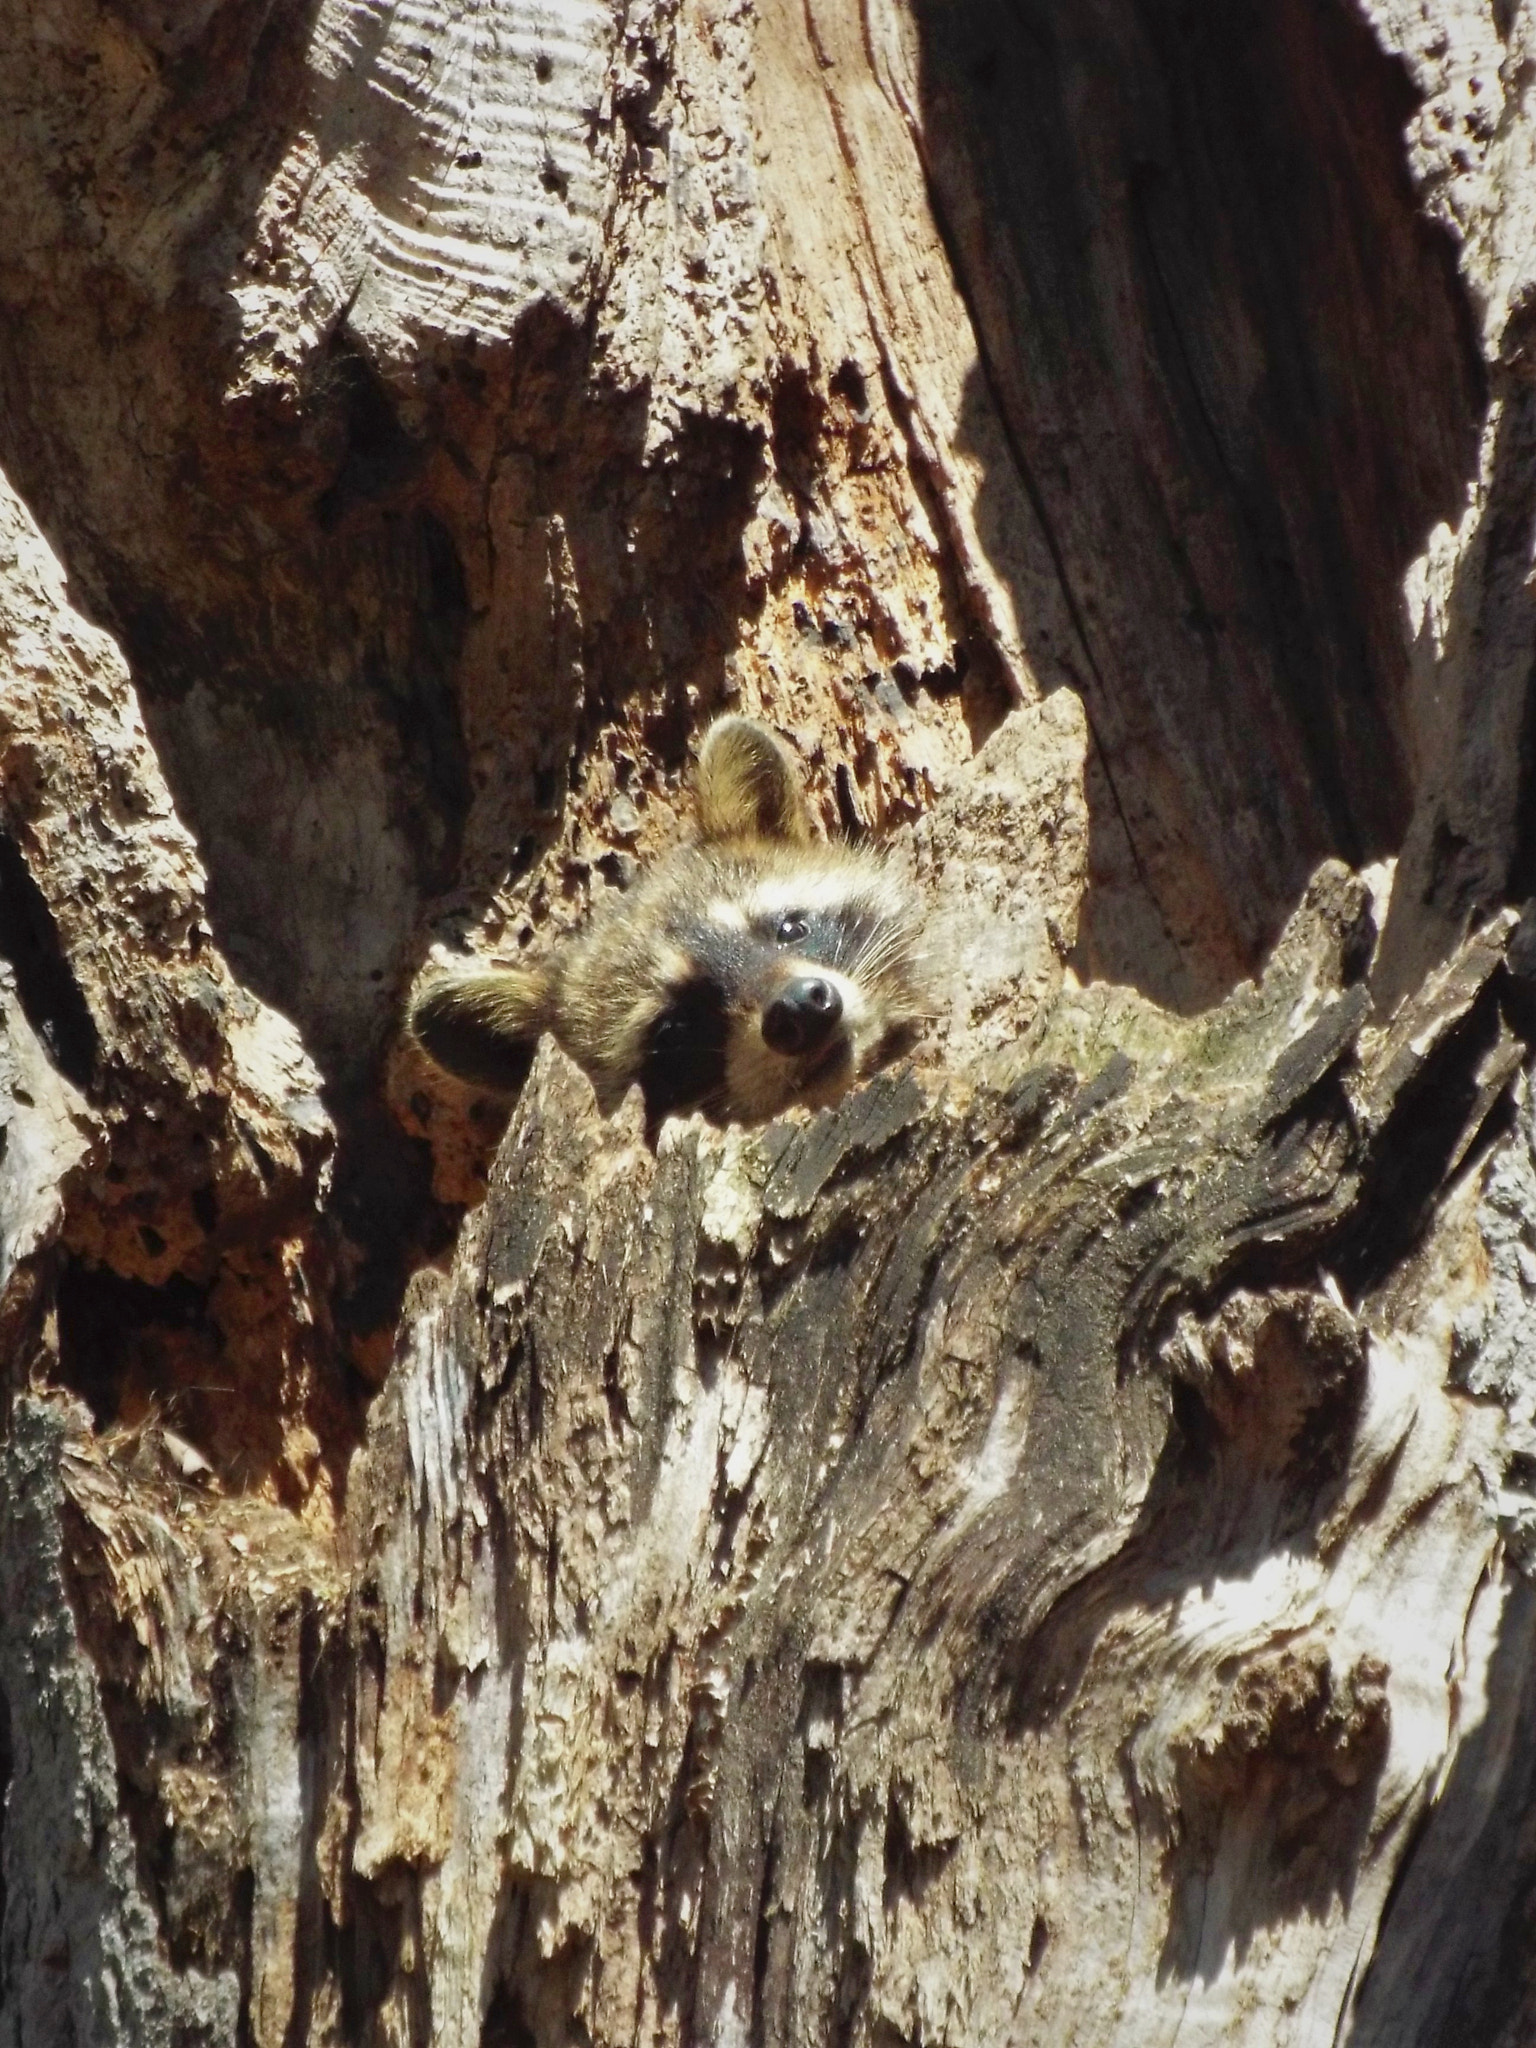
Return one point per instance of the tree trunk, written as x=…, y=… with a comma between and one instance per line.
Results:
x=1040, y=1553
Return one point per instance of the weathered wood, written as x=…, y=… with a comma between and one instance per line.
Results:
x=1039, y=1554
x=941, y=1553
x=936, y=1570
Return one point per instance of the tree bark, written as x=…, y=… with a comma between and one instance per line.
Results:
x=1038, y=1553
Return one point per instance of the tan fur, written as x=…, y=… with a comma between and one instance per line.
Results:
x=471, y=1024
x=708, y=919
x=747, y=787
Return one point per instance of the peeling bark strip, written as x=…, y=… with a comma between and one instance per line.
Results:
x=933, y=1562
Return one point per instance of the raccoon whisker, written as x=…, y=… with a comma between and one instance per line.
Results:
x=889, y=970
x=885, y=950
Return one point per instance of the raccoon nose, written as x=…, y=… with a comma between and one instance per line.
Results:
x=802, y=1016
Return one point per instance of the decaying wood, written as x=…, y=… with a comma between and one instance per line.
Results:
x=903, y=1542
x=1039, y=1553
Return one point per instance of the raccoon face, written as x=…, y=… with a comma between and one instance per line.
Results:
x=783, y=975
x=752, y=969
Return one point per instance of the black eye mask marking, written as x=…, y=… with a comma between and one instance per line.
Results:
x=684, y=1059
x=717, y=952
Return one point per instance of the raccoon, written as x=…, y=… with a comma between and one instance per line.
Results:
x=755, y=967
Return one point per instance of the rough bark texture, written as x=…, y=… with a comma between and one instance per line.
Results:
x=1040, y=1553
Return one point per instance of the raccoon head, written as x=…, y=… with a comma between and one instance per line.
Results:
x=754, y=968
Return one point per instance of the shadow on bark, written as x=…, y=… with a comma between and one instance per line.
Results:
x=1240, y=383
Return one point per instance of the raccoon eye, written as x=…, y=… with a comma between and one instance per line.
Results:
x=792, y=929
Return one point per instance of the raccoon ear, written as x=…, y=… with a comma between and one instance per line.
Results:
x=748, y=785
x=482, y=1028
